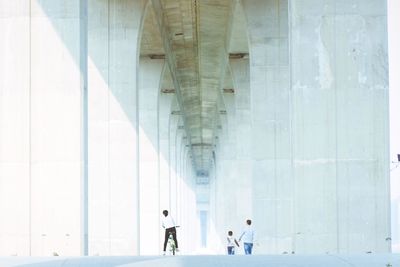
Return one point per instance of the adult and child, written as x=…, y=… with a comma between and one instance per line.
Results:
x=248, y=239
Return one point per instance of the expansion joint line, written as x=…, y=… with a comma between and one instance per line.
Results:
x=108, y=126
x=196, y=43
x=30, y=127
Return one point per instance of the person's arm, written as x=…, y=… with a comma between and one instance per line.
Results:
x=255, y=238
x=240, y=238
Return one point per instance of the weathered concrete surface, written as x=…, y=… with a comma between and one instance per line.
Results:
x=340, y=126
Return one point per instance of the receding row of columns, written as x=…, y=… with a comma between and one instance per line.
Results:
x=90, y=153
x=306, y=153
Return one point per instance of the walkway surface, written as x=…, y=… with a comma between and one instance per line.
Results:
x=370, y=260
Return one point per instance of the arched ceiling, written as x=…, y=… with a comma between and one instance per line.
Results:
x=196, y=37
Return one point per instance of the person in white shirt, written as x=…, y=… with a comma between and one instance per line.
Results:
x=248, y=238
x=170, y=228
x=231, y=243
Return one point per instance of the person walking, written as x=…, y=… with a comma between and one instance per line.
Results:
x=169, y=225
x=248, y=238
x=231, y=243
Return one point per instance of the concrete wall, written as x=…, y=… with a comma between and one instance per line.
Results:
x=340, y=125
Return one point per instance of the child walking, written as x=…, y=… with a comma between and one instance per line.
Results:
x=231, y=243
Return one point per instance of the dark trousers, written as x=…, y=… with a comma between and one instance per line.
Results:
x=169, y=231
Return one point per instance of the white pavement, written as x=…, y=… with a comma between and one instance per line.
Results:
x=367, y=260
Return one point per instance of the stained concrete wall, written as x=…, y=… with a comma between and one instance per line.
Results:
x=340, y=125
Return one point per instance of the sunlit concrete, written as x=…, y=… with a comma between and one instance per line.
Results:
x=149, y=80
x=42, y=160
x=112, y=126
x=219, y=111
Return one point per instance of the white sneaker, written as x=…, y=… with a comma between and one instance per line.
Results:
x=163, y=253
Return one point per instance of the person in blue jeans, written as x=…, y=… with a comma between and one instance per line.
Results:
x=248, y=238
x=232, y=242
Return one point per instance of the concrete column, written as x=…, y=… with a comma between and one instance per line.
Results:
x=340, y=124
x=114, y=29
x=42, y=144
x=272, y=188
x=173, y=131
x=226, y=179
x=56, y=114
x=176, y=181
x=149, y=87
x=243, y=144
x=164, y=115
x=15, y=120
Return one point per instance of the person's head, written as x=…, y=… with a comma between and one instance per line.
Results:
x=165, y=212
x=230, y=233
x=248, y=222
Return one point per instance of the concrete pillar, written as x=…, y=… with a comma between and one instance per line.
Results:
x=42, y=148
x=225, y=181
x=114, y=29
x=149, y=87
x=173, y=131
x=243, y=143
x=164, y=114
x=165, y=101
x=340, y=125
x=272, y=209
x=15, y=125
x=176, y=181
x=57, y=83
